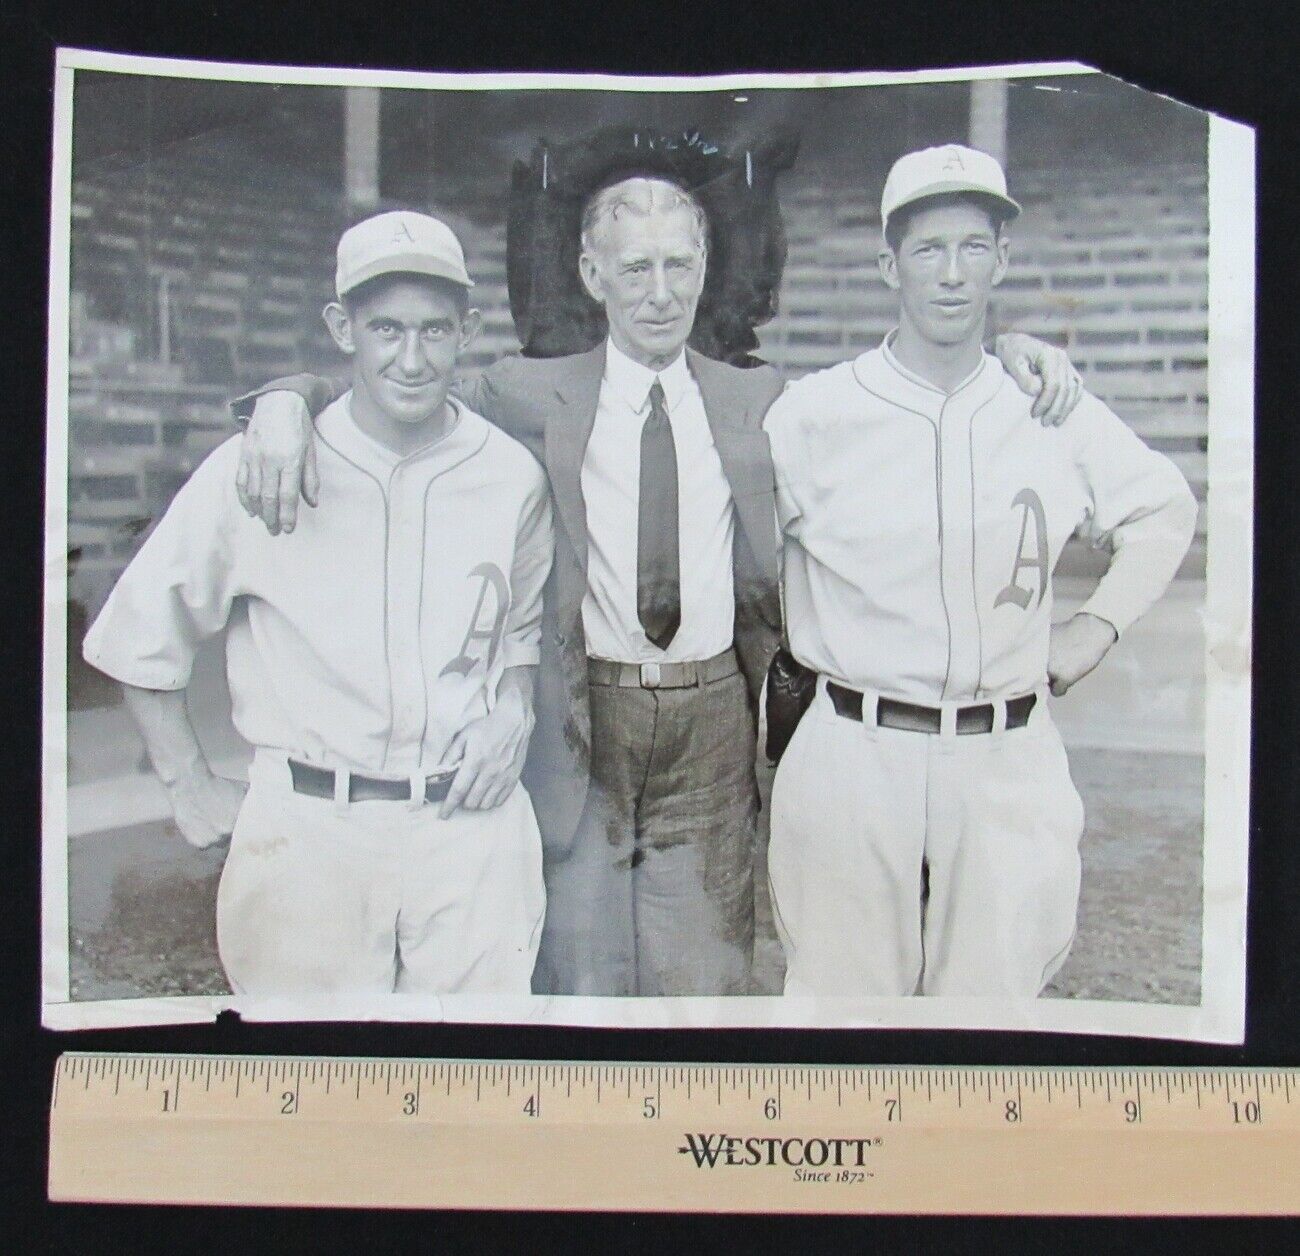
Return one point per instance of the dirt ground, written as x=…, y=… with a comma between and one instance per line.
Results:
x=142, y=901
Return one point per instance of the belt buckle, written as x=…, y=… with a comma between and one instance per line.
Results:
x=650, y=676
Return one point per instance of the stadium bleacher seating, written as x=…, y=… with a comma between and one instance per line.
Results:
x=189, y=286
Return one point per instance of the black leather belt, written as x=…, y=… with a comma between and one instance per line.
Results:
x=319, y=783
x=890, y=713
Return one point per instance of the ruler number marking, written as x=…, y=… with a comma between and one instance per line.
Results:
x=1126, y=1092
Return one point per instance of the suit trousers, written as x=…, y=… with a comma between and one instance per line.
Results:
x=656, y=895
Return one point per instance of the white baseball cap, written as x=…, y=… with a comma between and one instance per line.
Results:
x=400, y=241
x=947, y=168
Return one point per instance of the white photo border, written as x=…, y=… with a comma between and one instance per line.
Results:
x=1220, y=1016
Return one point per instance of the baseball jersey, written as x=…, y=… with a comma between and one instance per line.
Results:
x=921, y=528
x=376, y=630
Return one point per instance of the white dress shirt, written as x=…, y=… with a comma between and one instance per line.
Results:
x=376, y=630
x=611, y=485
x=921, y=528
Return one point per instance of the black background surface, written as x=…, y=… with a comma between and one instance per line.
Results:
x=1236, y=59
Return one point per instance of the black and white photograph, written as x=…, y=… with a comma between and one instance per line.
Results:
x=760, y=550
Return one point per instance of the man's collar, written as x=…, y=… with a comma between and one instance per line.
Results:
x=883, y=376
x=631, y=381
x=338, y=428
x=887, y=352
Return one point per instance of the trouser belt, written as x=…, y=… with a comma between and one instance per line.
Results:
x=662, y=675
x=320, y=783
x=890, y=713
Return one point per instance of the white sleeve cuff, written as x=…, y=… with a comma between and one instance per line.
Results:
x=129, y=671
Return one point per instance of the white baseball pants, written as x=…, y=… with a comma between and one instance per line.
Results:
x=865, y=818
x=319, y=897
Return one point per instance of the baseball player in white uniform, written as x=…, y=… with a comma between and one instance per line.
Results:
x=380, y=661
x=925, y=829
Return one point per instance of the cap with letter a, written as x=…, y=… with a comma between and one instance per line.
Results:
x=401, y=241
x=937, y=171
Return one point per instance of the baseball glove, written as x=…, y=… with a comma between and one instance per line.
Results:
x=790, y=689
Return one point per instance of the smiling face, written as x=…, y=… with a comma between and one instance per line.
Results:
x=944, y=267
x=404, y=334
x=643, y=259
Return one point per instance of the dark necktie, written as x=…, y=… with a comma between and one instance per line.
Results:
x=658, y=565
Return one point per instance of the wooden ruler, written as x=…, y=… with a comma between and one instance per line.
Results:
x=674, y=1137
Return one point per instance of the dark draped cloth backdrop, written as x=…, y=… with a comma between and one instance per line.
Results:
x=735, y=186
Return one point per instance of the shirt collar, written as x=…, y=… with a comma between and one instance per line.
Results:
x=631, y=382
x=887, y=352
x=338, y=428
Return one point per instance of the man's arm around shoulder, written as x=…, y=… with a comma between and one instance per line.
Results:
x=512, y=394
x=277, y=461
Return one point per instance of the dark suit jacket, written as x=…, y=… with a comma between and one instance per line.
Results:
x=549, y=405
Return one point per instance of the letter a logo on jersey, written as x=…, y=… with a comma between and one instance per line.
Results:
x=493, y=583
x=1038, y=560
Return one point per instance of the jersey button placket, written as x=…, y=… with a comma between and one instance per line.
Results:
x=956, y=552
x=405, y=569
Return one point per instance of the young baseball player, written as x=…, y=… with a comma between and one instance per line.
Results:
x=380, y=661
x=925, y=830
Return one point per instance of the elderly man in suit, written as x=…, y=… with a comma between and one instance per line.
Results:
x=661, y=615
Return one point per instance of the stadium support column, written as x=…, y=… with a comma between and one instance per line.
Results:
x=988, y=117
x=361, y=147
